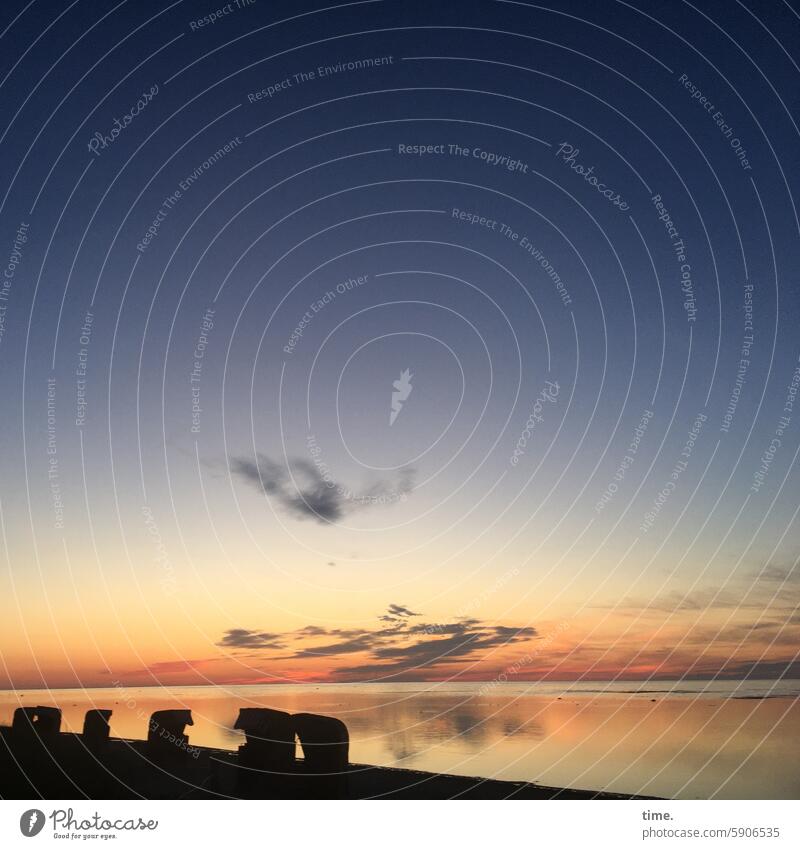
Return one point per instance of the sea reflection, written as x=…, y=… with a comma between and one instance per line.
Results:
x=685, y=747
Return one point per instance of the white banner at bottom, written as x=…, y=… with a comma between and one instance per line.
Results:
x=397, y=824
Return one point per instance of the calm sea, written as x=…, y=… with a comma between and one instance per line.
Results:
x=673, y=739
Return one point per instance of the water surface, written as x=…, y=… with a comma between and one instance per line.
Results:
x=671, y=739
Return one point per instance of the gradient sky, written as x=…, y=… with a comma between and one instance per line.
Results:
x=285, y=529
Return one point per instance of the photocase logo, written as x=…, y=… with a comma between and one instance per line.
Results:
x=402, y=389
x=31, y=822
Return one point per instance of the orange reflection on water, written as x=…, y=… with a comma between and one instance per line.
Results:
x=684, y=747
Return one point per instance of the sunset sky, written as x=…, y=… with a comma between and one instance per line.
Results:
x=532, y=213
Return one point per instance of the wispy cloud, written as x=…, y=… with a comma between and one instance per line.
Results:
x=305, y=492
x=241, y=638
x=773, y=588
x=778, y=574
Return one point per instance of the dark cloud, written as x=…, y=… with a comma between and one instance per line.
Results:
x=303, y=491
x=399, y=610
x=442, y=644
x=316, y=631
x=513, y=633
x=396, y=613
x=396, y=649
x=304, y=494
x=311, y=631
x=442, y=628
x=242, y=638
x=356, y=644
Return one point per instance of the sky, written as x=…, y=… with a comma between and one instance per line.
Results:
x=379, y=341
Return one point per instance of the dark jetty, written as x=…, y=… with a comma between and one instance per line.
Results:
x=38, y=760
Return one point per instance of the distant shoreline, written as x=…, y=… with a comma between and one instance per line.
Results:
x=571, y=687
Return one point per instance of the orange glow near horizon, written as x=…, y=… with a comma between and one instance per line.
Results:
x=602, y=646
